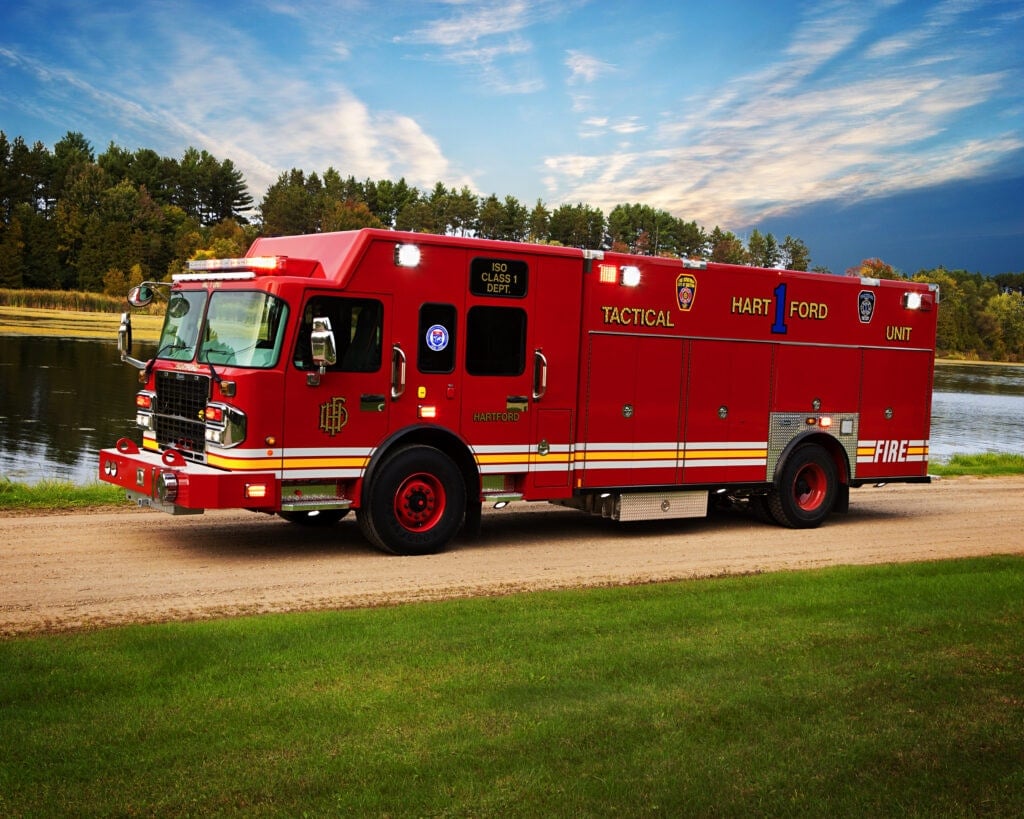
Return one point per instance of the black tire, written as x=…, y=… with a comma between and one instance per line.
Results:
x=474, y=520
x=760, y=507
x=415, y=503
x=807, y=489
x=322, y=517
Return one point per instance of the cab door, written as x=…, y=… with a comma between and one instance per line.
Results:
x=333, y=420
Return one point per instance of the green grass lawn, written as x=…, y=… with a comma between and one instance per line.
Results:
x=988, y=463
x=889, y=690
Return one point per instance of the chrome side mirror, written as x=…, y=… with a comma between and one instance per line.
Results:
x=141, y=295
x=323, y=348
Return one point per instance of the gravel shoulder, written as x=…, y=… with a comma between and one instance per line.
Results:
x=87, y=570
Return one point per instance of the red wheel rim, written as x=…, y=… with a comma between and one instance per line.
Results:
x=420, y=502
x=810, y=487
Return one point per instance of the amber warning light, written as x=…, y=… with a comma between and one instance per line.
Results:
x=262, y=263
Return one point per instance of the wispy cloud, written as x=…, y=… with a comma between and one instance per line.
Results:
x=473, y=22
x=838, y=117
x=584, y=68
x=491, y=36
x=209, y=91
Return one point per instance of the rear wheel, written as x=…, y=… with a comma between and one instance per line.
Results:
x=807, y=489
x=415, y=503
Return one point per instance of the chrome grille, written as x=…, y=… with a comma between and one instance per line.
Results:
x=178, y=415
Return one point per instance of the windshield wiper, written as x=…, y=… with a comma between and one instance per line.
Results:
x=166, y=348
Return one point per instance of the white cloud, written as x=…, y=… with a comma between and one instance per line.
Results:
x=584, y=68
x=830, y=120
x=475, y=22
x=490, y=37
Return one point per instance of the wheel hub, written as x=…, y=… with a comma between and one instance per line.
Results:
x=419, y=504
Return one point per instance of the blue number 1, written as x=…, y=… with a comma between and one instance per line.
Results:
x=779, y=326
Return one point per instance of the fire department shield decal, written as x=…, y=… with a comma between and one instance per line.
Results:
x=865, y=306
x=437, y=337
x=686, y=291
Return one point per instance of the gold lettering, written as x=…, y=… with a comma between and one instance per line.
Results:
x=750, y=306
x=809, y=310
x=897, y=333
x=636, y=316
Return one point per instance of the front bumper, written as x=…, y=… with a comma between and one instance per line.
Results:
x=166, y=481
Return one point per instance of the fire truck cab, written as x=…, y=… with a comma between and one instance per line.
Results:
x=413, y=378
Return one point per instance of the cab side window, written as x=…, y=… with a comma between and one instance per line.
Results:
x=358, y=331
x=496, y=341
x=436, y=352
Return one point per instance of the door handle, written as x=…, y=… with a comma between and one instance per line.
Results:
x=398, y=362
x=540, y=374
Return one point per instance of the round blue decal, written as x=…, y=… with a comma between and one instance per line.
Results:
x=437, y=338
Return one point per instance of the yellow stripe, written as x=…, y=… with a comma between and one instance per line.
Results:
x=242, y=463
x=725, y=454
x=501, y=458
x=303, y=461
x=626, y=455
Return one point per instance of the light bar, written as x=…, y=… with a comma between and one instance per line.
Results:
x=245, y=263
x=214, y=275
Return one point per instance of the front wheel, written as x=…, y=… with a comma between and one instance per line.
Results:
x=807, y=489
x=415, y=503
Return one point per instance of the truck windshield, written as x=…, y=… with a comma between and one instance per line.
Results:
x=242, y=328
x=181, y=325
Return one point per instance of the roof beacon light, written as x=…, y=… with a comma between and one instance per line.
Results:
x=250, y=263
x=630, y=275
x=407, y=255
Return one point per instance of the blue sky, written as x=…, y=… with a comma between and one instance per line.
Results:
x=866, y=128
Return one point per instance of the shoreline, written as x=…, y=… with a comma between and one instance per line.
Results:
x=50, y=323
x=73, y=324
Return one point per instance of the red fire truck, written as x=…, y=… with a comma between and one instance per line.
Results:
x=413, y=378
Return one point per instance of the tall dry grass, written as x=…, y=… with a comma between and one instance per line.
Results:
x=73, y=300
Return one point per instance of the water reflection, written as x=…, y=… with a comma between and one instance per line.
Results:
x=977, y=408
x=986, y=379
x=62, y=400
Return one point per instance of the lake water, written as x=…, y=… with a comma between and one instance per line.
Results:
x=62, y=400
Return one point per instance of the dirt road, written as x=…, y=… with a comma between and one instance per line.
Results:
x=65, y=572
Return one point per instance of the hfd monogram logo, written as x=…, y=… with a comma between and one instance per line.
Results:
x=333, y=416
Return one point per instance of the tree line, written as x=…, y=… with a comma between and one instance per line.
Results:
x=74, y=220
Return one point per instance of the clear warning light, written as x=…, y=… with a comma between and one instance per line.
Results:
x=407, y=255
